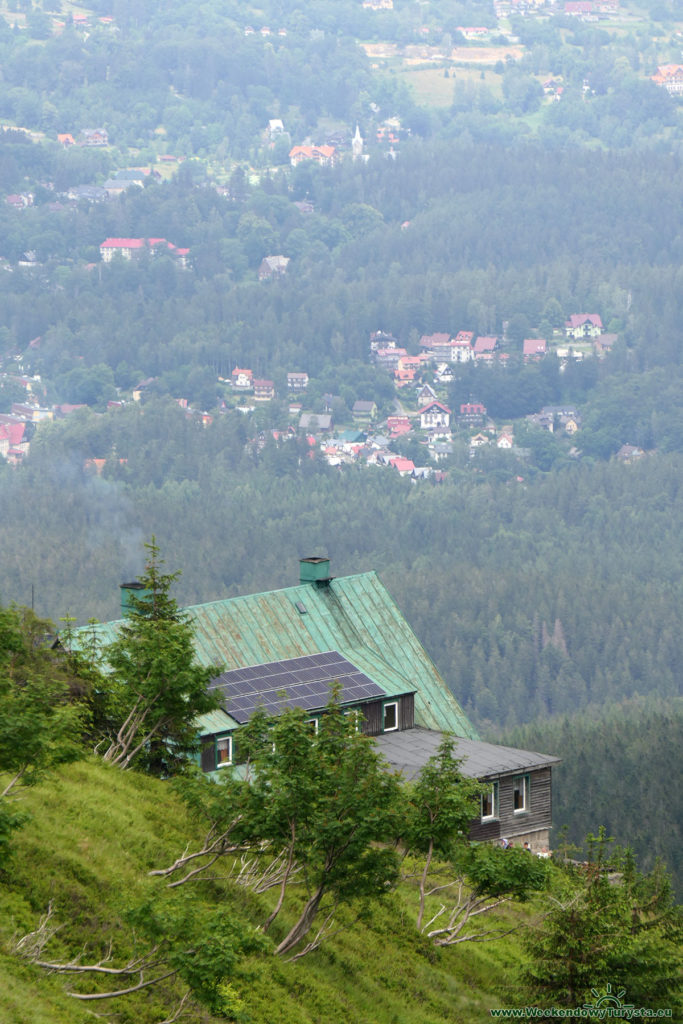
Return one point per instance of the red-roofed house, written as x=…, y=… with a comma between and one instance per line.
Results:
x=404, y=466
x=583, y=325
x=534, y=348
x=403, y=377
x=409, y=362
x=670, y=77
x=398, y=425
x=435, y=416
x=132, y=248
x=388, y=358
x=436, y=344
x=472, y=413
x=485, y=345
x=12, y=436
x=242, y=379
x=325, y=156
x=127, y=248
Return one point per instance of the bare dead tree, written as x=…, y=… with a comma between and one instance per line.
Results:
x=467, y=907
x=31, y=946
x=253, y=876
x=217, y=844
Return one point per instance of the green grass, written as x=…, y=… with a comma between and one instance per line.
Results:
x=431, y=89
x=93, y=836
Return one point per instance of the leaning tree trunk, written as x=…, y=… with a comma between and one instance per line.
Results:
x=303, y=925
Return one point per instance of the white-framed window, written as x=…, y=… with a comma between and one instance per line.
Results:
x=223, y=751
x=390, y=717
x=313, y=723
x=489, y=803
x=520, y=793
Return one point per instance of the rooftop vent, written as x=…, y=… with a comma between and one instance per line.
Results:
x=314, y=570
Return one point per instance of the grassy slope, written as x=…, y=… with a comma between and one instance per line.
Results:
x=93, y=836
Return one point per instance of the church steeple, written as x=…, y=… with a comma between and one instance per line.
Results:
x=357, y=144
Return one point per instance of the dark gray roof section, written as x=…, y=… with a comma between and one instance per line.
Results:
x=410, y=750
x=296, y=682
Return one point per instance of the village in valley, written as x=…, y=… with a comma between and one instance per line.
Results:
x=369, y=433
x=421, y=424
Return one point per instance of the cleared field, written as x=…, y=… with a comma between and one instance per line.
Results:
x=431, y=89
x=484, y=54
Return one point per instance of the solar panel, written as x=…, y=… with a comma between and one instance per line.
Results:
x=296, y=682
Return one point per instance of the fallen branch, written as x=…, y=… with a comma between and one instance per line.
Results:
x=215, y=845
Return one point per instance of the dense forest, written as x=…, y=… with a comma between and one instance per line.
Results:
x=534, y=598
x=621, y=769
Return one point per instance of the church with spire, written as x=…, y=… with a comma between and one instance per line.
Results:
x=357, y=145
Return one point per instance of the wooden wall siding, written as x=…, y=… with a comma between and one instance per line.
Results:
x=372, y=717
x=208, y=753
x=373, y=714
x=508, y=823
x=406, y=711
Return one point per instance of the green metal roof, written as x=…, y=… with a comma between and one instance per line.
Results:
x=214, y=722
x=354, y=615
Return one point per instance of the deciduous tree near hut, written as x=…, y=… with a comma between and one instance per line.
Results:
x=460, y=881
x=328, y=799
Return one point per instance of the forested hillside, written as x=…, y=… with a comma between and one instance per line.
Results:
x=621, y=768
x=533, y=598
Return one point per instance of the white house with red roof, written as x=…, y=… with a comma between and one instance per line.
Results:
x=242, y=379
x=325, y=156
x=670, y=77
x=583, y=325
x=435, y=416
x=133, y=248
x=126, y=248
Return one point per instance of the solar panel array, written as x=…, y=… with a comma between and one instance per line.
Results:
x=297, y=682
